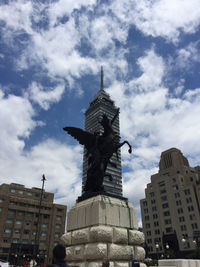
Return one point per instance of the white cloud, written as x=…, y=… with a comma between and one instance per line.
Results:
x=186, y=56
x=16, y=122
x=45, y=97
x=165, y=18
x=60, y=162
x=153, y=120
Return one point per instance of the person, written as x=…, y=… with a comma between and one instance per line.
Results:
x=106, y=264
x=59, y=254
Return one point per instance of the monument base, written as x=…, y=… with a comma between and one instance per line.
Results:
x=103, y=228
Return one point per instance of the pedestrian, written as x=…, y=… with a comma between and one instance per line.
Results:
x=59, y=254
x=106, y=264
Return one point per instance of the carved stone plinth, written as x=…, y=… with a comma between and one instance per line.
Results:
x=103, y=228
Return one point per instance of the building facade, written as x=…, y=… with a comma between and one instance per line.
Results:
x=171, y=207
x=102, y=104
x=26, y=227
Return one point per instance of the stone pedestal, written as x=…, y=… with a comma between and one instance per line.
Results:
x=103, y=228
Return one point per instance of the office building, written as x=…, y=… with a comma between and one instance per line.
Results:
x=28, y=229
x=171, y=207
x=102, y=104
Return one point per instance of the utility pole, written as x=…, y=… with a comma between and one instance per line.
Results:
x=37, y=234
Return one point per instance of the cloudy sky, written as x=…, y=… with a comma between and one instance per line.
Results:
x=50, y=57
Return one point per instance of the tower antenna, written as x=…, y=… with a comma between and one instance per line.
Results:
x=101, y=87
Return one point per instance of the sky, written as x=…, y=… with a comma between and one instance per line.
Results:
x=51, y=53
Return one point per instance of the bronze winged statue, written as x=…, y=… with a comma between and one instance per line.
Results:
x=100, y=148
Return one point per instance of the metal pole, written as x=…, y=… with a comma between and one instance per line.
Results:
x=38, y=219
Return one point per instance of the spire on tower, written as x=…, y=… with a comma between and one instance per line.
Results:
x=101, y=87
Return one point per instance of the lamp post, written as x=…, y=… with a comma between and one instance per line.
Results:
x=38, y=220
x=157, y=247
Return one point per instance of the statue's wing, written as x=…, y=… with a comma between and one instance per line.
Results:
x=84, y=138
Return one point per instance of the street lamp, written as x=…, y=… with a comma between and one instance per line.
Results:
x=157, y=247
x=16, y=259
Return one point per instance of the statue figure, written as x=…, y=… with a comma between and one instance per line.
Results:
x=100, y=148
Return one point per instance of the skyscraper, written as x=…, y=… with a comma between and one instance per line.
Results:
x=102, y=104
x=171, y=207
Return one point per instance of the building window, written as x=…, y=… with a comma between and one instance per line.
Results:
x=9, y=221
x=178, y=203
x=59, y=218
x=194, y=226
x=163, y=191
x=17, y=231
x=60, y=210
x=21, y=192
x=169, y=229
x=15, y=241
x=148, y=233
x=58, y=226
x=192, y=217
x=164, y=198
x=165, y=205
x=18, y=222
x=183, y=227
x=187, y=192
x=34, y=233
x=189, y=200
x=153, y=201
x=155, y=216
x=162, y=184
x=146, y=218
x=166, y=213
x=149, y=241
x=181, y=219
x=168, y=221
x=180, y=210
x=157, y=232
x=28, y=222
x=43, y=234
x=29, y=193
x=24, y=241
x=42, y=243
x=152, y=194
x=26, y=232
x=46, y=216
x=5, y=240
x=20, y=213
x=156, y=223
x=29, y=214
x=146, y=210
x=177, y=195
x=154, y=208
x=11, y=212
x=144, y=203
x=12, y=190
x=190, y=208
x=45, y=225
x=0, y=209
x=7, y=231
x=175, y=187
x=57, y=235
x=1, y=200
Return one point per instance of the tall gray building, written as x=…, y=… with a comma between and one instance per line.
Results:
x=171, y=207
x=102, y=104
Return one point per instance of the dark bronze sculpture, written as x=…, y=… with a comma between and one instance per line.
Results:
x=100, y=148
